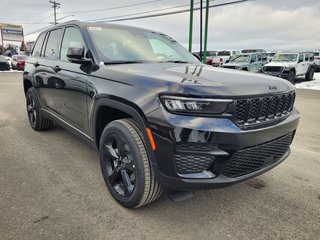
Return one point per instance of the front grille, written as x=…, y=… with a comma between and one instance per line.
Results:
x=248, y=160
x=192, y=164
x=272, y=69
x=253, y=110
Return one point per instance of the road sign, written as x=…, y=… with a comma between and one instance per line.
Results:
x=11, y=32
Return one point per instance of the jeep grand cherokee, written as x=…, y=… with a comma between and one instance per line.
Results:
x=159, y=117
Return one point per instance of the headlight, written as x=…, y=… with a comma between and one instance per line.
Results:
x=195, y=105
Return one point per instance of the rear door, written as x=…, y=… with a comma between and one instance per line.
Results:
x=46, y=72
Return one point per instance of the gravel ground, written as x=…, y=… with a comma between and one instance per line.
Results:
x=52, y=188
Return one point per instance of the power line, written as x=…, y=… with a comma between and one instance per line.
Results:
x=150, y=11
x=113, y=8
x=156, y=15
x=36, y=31
x=38, y=22
x=164, y=14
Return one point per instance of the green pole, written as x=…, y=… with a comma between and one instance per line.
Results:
x=191, y=25
x=206, y=33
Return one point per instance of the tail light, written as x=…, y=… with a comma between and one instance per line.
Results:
x=221, y=60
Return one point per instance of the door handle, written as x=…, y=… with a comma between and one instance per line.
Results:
x=36, y=64
x=57, y=69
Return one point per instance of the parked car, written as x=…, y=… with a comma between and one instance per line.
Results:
x=223, y=57
x=210, y=56
x=252, y=62
x=4, y=65
x=18, y=62
x=254, y=50
x=9, y=60
x=158, y=117
x=289, y=65
x=316, y=55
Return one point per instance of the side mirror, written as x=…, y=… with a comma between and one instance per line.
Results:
x=76, y=55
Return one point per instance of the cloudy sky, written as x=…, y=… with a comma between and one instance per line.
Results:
x=268, y=24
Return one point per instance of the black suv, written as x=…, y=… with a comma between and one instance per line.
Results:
x=158, y=116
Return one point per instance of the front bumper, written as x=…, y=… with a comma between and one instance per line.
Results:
x=181, y=139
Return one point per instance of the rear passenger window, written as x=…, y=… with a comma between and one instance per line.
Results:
x=72, y=38
x=306, y=58
x=259, y=58
x=37, y=47
x=52, y=48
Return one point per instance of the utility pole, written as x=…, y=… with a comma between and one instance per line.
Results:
x=55, y=6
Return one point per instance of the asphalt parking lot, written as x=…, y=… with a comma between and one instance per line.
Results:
x=52, y=188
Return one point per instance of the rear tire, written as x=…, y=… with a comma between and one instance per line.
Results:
x=125, y=164
x=291, y=76
x=36, y=120
x=310, y=74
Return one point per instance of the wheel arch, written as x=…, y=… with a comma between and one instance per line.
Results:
x=107, y=109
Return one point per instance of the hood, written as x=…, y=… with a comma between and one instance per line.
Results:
x=195, y=79
x=280, y=64
x=236, y=64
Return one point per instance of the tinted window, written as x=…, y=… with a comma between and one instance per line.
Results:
x=52, y=48
x=37, y=47
x=306, y=58
x=264, y=57
x=224, y=53
x=259, y=58
x=72, y=38
x=300, y=58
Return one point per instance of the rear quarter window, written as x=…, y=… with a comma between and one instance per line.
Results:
x=38, y=46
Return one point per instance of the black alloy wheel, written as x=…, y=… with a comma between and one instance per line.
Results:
x=32, y=112
x=36, y=120
x=119, y=165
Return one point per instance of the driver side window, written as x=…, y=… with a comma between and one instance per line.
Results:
x=72, y=38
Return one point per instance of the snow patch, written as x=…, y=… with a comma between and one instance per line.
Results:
x=313, y=84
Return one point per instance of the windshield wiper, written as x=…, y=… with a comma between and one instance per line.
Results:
x=124, y=62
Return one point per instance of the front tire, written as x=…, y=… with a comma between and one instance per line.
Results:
x=125, y=164
x=291, y=76
x=36, y=120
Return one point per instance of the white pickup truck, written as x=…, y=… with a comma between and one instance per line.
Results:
x=222, y=57
x=289, y=65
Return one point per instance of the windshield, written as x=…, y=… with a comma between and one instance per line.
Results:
x=281, y=57
x=224, y=53
x=271, y=54
x=241, y=58
x=316, y=54
x=126, y=45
